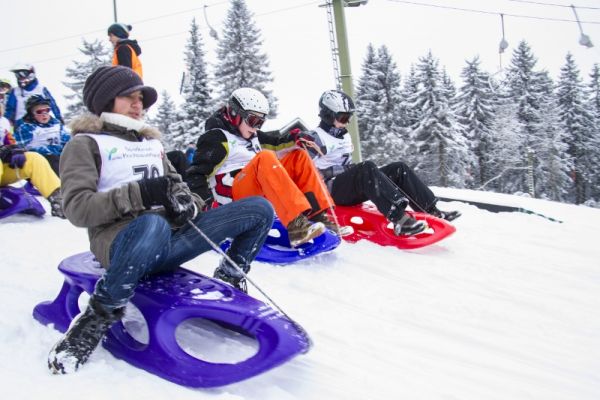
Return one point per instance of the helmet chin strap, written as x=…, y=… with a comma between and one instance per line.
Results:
x=235, y=121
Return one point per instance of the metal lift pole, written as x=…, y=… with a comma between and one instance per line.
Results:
x=345, y=71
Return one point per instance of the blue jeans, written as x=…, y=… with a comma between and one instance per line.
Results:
x=149, y=246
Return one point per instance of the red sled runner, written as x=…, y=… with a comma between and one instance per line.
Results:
x=369, y=224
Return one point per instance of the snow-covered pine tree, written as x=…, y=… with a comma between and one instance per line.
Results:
x=553, y=163
x=96, y=55
x=577, y=123
x=503, y=159
x=389, y=124
x=524, y=90
x=441, y=153
x=593, y=94
x=197, y=105
x=449, y=86
x=410, y=115
x=475, y=109
x=367, y=98
x=381, y=97
x=165, y=117
x=241, y=63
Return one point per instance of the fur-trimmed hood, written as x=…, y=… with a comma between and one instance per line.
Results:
x=111, y=122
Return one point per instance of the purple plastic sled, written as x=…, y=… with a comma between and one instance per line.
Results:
x=17, y=200
x=166, y=301
x=278, y=250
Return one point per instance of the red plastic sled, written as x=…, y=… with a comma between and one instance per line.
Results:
x=369, y=224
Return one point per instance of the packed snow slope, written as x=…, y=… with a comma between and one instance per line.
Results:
x=506, y=308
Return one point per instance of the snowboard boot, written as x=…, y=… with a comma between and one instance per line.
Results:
x=229, y=274
x=301, y=230
x=447, y=215
x=82, y=338
x=55, y=200
x=408, y=226
x=339, y=230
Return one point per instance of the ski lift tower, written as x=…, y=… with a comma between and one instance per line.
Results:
x=341, y=53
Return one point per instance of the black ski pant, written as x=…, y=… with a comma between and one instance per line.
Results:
x=385, y=187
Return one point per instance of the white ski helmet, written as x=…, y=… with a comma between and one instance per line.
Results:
x=248, y=99
x=334, y=102
x=25, y=73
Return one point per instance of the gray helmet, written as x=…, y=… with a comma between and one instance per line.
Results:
x=334, y=102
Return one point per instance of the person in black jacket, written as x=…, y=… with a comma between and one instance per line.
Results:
x=391, y=188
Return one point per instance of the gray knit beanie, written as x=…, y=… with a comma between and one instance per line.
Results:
x=106, y=83
x=120, y=30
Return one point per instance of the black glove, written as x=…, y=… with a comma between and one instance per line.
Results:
x=178, y=203
x=155, y=191
x=301, y=138
x=182, y=208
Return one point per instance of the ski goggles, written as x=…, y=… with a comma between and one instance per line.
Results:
x=42, y=111
x=253, y=120
x=343, y=117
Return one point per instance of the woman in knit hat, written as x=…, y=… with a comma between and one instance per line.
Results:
x=117, y=182
x=126, y=51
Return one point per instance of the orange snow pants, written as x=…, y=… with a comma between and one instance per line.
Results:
x=286, y=183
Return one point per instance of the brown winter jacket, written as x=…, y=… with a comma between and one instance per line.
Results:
x=104, y=214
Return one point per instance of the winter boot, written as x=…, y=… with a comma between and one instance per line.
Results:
x=408, y=226
x=55, y=200
x=82, y=338
x=339, y=230
x=301, y=230
x=229, y=274
x=447, y=215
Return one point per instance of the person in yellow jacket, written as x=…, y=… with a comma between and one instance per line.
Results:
x=126, y=51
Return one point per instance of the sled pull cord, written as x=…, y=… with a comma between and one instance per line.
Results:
x=241, y=271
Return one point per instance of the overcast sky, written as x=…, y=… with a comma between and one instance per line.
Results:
x=296, y=39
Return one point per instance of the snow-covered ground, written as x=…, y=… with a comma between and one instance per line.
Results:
x=506, y=308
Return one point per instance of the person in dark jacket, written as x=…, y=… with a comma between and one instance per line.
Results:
x=126, y=51
x=391, y=188
x=118, y=183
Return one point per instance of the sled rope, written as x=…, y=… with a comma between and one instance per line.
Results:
x=270, y=301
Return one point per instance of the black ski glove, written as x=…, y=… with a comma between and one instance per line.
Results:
x=178, y=203
x=155, y=191
x=183, y=208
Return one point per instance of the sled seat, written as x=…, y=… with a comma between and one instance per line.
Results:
x=17, y=200
x=167, y=300
x=278, y=250
x=369, y=224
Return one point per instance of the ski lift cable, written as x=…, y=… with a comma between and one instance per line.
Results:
x=553, y=4
x=79, y=35
x=490, y=12
x=102, y=30
x=150, y=19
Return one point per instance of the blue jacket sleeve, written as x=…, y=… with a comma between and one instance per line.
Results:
x=11, y=107
x=53, y=105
